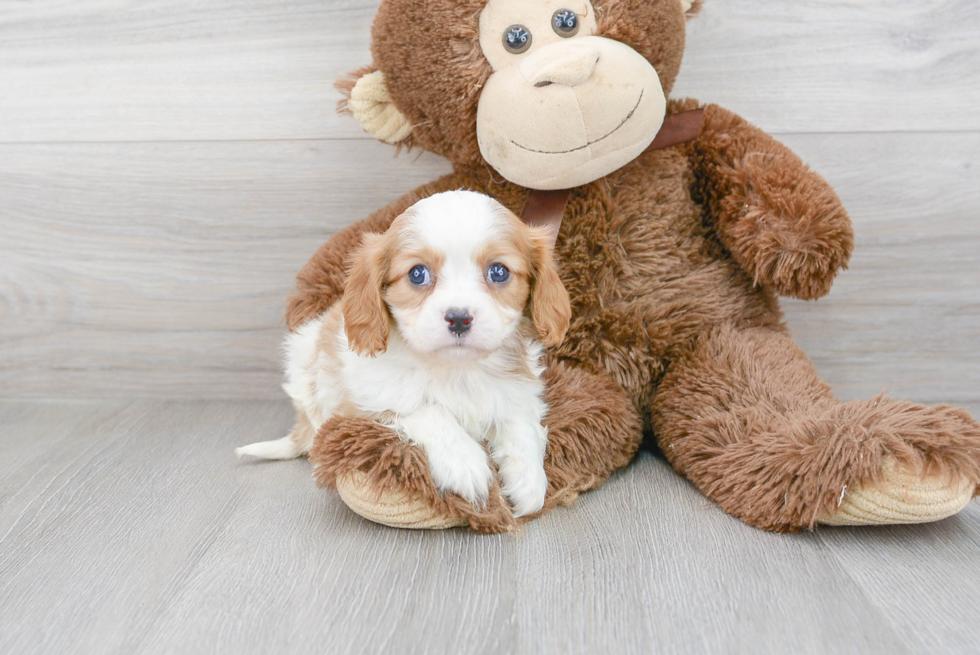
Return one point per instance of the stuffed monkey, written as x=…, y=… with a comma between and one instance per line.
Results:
x=678, y=226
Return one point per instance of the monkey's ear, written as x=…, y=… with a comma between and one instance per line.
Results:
x=691, y=7
x=369, y=102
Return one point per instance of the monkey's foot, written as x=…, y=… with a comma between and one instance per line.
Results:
x=902, y=496
x=396, y=509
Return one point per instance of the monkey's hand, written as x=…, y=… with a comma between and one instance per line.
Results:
x=780, y=220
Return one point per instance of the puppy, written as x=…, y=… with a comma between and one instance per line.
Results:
x=439, y=336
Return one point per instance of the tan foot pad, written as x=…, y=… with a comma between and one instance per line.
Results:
x=396, y=510
x=902, y=497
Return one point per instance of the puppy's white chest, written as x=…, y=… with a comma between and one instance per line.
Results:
x=395, y=382
x=384, y=384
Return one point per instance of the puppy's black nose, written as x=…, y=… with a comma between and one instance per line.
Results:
x=459, y=321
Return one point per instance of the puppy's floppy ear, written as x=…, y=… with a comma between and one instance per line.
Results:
x=551, y=310
x=365, y=312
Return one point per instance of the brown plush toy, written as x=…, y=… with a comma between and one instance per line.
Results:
x=674, y=247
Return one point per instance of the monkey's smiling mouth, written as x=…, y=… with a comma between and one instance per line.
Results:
x=564, y=152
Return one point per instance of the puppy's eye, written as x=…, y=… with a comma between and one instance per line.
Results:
x=498, y=274
x=517, y=39
x=565, y=23
x=419, y=276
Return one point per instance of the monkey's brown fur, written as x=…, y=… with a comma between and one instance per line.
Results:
x=673, y=264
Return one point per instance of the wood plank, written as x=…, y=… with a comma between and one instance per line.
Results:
x=295, y=571
x=663, y=570
x=108, y=70
x=29, y=434
x=906, y=317
x=165, y=267
x=147, y=536
x=93, y=546
x=161, y=269
x=921, y=577
x=833, y=66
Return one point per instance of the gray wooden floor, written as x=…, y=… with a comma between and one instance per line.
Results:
x=129, y=527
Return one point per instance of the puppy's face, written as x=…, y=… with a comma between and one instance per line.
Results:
x=455, y=273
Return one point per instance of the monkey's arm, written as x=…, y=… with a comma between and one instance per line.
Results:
x=320, y=283
x=781, y=221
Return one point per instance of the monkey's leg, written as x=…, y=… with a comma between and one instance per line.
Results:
x=744, y=416
x=593, y=430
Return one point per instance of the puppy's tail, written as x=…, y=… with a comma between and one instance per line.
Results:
x=297, y=444
x=285, y=448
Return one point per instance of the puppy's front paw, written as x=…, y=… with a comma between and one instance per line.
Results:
x=524, y=485
x=462, y=467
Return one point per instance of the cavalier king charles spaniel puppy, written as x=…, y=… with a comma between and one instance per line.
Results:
x=439, y=336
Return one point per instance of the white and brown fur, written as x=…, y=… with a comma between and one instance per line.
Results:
x=385, y=351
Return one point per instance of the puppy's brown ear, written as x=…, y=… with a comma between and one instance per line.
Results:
x=365, y=312
x=551, y=310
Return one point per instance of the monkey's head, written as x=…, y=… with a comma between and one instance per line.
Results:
x=552, y=94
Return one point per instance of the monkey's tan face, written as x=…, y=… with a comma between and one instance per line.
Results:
x=563, y=107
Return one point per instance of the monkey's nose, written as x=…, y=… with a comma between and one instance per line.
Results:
x=459, y=320
x=570, y=64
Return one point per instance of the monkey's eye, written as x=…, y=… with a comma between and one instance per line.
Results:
x=419, y=276
x=498, y=274
x=565, y=23
x=517, y=39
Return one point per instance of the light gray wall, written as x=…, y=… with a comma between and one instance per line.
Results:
x=167, y=166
